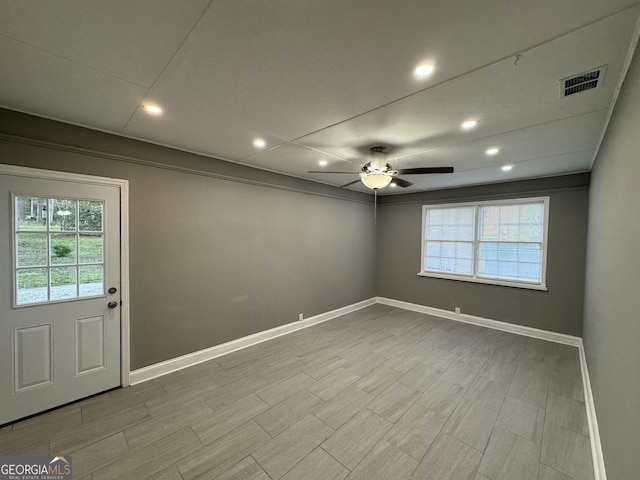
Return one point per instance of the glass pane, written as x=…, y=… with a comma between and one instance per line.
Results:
x=64, y=281
x=488, y=251
x=507, y=252
x=488, y=268
x=31, y=249
x=63, y=249
x=489, y=223
x=450, y=257
x=91, y=280
x=90, y=216
x=433, y=249
x=532, y=213
x=450, y=223
x=507, y=270
x=513, y=223
x=530, y=232
x=529, y=272
x=435, y=232
x=433, y=264
x=32, y=286
x=91, y=248
x=448, y=249
x=509, y=232
x=464, y=250
x=463, y=266
x=31, y=213
x=529, y=252
x=511, y=261
x=62, y=215
x=510, y=214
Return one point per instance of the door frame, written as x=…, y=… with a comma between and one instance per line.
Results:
x=123, y=185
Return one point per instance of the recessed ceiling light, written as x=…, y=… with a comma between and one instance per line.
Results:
x=323, y=163
x=469, y=124
x=152, y=109
x=492, y=151
x=259, y=143
x=423, y=70
x=393, y=184
x=506, y=168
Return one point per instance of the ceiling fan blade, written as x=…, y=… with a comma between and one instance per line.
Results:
x=350, y=183
x=424, y=170
x=329, y=171
x=401, y=182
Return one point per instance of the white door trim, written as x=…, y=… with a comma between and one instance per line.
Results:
x=123, y=185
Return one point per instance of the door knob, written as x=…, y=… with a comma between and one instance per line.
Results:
x=112, y=304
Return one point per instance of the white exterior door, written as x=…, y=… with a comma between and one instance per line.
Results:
x=59, y=292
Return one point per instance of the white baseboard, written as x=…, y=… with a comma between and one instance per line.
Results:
x=594, y=433
x=168, y=366
x=485, y=322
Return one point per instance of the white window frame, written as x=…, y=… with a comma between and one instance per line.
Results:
x=542, y=285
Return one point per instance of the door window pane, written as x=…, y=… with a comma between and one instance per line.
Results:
x=31, y=249
x=33, y=285
x=90, y=214
x=64, y=283
x=91, y=247
x=31, y=213
x=91, y=280
x=62, y=215
x=63, y=249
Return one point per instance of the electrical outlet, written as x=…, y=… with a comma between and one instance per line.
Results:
x=457, y=310
x=300, y=317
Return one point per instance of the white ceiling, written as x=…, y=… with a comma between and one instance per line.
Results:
x=327, y=80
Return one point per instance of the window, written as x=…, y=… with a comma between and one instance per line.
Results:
x=499, y=242
x=59, y=249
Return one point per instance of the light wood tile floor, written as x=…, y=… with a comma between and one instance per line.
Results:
x=381, y=393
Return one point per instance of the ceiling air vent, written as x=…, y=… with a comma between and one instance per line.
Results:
x=582, y=82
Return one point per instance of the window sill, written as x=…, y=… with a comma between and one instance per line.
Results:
x=501, y=283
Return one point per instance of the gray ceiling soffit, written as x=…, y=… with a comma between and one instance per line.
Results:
x=518, y=188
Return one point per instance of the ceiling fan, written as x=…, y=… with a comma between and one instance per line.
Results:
x=377, y=173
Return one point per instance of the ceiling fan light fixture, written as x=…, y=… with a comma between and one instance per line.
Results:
x=376, y=180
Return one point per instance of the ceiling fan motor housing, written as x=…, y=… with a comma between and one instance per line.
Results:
x=378, y=162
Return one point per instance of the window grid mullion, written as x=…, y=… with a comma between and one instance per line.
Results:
x=476, y=242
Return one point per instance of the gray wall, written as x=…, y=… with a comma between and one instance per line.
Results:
x=559, y=309
x=612, y=306
x=213, y=260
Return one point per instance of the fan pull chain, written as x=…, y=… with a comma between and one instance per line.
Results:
x=375, y=206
